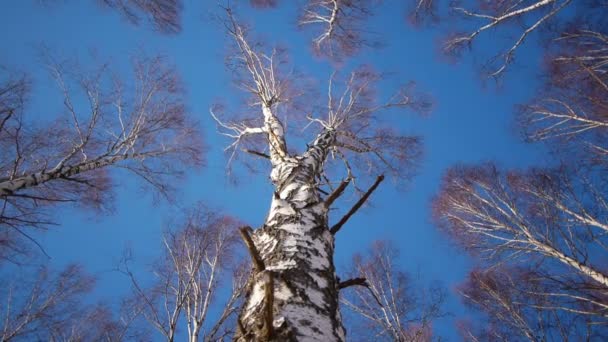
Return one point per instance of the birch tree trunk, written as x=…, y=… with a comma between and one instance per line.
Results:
x=292, y=294
x=295, y=296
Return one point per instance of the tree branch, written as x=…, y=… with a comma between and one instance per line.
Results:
x=357, y=205
x=337, y=192
x=253, y=252
x=352, y=282
x=256, y=153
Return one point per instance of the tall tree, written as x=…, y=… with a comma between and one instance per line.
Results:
x=573, y=120
x=550, y=223
x=40, y=303
x=293, y=291
x=197, y=259
x=389, y=303
x=138, y=125
x=542, y=231
x=520, y=306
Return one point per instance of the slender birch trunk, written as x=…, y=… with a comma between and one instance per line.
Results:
x=8, y=187
x=296, y=249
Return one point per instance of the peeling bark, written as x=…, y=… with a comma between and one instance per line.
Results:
x=297, y=250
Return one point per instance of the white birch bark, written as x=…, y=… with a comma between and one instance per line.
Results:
x=297, y=250
x=8, y=187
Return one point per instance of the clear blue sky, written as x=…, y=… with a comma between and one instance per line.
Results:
x=470, y=123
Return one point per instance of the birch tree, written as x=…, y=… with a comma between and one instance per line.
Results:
x=293, y=291
x=573, y=119
x=32, y=308
x=39, y=303
x=390, y=305
x=106, y=124
x=197, y=259
x=520, y=305
x=551, y=223
x=542, y=232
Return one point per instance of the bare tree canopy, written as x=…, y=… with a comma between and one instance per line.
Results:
x=164, y=15
x=527, y=305
x=551, y=221
x=264, y=3
x=573, y=119
x=389, y=303
x=339, y=26
x=351, y=113
x=139, y=125
x=46, y=305
x=422, y=11
x=199, y=256
x=541, y=232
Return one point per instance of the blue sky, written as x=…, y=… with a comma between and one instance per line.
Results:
x=471, y=122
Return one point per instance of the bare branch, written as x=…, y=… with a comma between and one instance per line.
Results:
x=335, y=228
x=500, y=14
x=190, y=273
x=387, y=302
x=44, y=304
x=549, y=222
x=352, y=282
x=144, y=130
x=342, y=26
x=337, y=192
x=255, y=256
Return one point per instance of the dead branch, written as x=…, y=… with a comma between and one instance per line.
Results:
x=253, y=252
x=337, y=192
x=256, y=153
x=352, y=282
x=335, y=228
